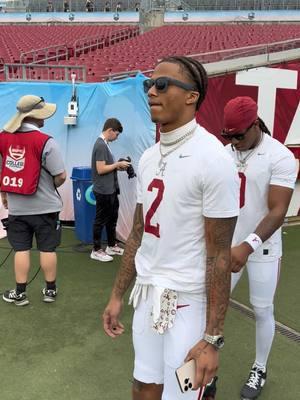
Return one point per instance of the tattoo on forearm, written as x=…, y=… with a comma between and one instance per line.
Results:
x=127, y=271
x=219, y=234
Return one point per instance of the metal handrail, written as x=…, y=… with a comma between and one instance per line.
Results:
x=57, y=57
x=120, y=75
x=46, y=51
x=88, y=44
x=264, y=48
x=28, y=72
x=103, y=41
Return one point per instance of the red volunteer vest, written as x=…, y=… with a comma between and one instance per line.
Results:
x=21, y=161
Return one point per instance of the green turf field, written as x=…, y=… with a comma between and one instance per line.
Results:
x=59, y=351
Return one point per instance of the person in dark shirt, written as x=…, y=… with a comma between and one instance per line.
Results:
x=106, y=191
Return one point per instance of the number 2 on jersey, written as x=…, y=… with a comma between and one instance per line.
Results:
x=159, y=185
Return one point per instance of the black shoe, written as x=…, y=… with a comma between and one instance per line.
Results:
x=253, y=387
x=210, y=390
x=11, y=296
x=49, y=295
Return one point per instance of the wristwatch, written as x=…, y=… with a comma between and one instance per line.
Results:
x=216, y=340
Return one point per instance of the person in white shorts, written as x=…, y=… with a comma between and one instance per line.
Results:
x=179, y=246
x=267, y=171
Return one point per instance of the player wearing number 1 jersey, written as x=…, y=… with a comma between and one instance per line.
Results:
x=267, y=171
x=32, y=168
x=179, y=246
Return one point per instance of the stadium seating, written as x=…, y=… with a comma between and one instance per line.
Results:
x=17, y=39
x=140, y=52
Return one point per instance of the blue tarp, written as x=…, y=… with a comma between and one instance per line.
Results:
x=122, y=99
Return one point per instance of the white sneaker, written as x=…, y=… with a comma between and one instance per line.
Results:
x=114, y=250
x=100, y=255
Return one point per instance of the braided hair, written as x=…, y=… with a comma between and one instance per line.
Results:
x=194, y=71
x=263, y=126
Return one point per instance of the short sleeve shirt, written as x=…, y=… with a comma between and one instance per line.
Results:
x=199, y=180
x=271, y=163
x=107, y=183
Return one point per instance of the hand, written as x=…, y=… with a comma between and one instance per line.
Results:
x=207, y=362
x=4, y=200
x=122, y=165
x=239, y=256
x=111, y=324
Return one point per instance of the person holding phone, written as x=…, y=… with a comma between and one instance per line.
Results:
x=178, y=252
x=106, y=191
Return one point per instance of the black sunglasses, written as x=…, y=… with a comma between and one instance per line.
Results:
x=162, y=83
x=30, y=108
x=237, y=136
x=41, y=101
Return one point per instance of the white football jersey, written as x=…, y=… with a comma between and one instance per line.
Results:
x=271, y=163
x=198, y=180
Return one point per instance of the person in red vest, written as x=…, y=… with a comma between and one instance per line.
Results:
x=31, y=170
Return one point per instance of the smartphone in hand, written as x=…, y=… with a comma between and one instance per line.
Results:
x=186, y=375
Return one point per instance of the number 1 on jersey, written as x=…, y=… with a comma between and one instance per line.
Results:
x=242, y=188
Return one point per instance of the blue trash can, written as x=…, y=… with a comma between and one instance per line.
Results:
x=84, y=203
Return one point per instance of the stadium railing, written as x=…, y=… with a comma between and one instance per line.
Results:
x=44, y=72
x=254, y=50
x=53, y=53
x=89, y=44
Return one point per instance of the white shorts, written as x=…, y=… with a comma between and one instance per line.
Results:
x=263, y=279
x=158, y=356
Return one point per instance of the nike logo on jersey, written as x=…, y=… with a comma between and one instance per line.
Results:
x=184, y=156
x=260, y=154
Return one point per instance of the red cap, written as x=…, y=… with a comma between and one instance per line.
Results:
x=239, y=114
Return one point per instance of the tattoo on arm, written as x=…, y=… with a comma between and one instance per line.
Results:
x=218, y=232
x=127, y=271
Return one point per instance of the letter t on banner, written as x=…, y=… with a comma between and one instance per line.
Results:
x=268, y=80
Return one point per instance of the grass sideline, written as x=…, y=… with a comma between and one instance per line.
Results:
x=59, y=351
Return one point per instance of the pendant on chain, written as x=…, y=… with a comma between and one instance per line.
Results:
x=241, y=165
x=161, y=167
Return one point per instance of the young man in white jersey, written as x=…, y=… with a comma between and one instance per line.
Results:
x=179, y=246
x=267, y=171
